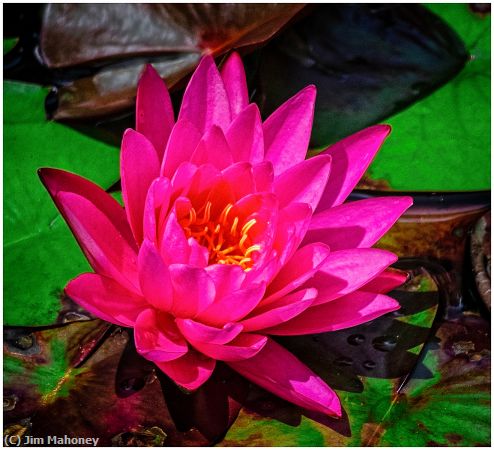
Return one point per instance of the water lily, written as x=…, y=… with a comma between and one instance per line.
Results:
x=230, y=236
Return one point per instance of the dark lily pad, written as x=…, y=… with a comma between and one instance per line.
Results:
x=367, y=61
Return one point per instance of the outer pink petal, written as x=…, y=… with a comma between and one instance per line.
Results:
x=155, y=208
x=304, y=263
x=278, y=371
x=193, y=290
x=183, y=141
x=345, y=271
x=154, y=277
x=139, y=166
x=106, y=250
x=154, y=111
x=198, y=332
x=233, y=76
x=56, y=181
x=106, y=299
x=190, y=371
x=304, y=182
x=351, y=157
x=345, y=312
x=213, y=149
x=280, y=311
x=356, y=224
x=245, y=346
x=245, y=136
x=233, y=306
x=205, y=101
x=387, y=281
x=157, y=337
x=287, y=131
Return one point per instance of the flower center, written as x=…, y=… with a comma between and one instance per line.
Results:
x=227, y=241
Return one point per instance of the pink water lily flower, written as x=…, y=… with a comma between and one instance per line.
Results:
x=230, y=236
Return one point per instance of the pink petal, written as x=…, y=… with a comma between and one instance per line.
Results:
x=154, y=277
x=287, y=131
x=356, y=224
x=351, y=157
x=183, y=141
x=198, y=255
x=139, y=166
x=56, y=181
x=106, y=250
x=243, y=347
x=198, y=332
x=233, y=306
x=387, y=281
x=233, y=76
x=106, y=299
x=157, y=337
x=213, y=149
x=345, y=312
x=154, y=111
x=193, y=290
x=263, y=176
x=278, y=371
x=304, y=182
x=283, y=309
x=240, y=179
x=174, y=247
x=245, y=136
x=182, y=178
x=304, y=263
x=345, y=271
x=226, y=278
x=190, y=371
x=205, y=102
x=155, y=207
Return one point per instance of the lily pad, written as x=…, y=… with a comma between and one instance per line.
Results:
x=40, y=254
x=442, y=143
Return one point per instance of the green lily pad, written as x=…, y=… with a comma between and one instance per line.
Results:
x=442, y=143
x=40, y=253
x=9, y=44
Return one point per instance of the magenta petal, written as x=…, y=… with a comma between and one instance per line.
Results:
x=387, y=281
x=245, y=136
x=345, y=271
x=233, y=76
x=239, y=179
x=303, y=183
x=157, y=202
x=154, y=111
x=356, y=224
x=295, y=272
x=278, y=371
x=213, y=149
x=243, y=347
x=106, y=250
x=193, y=290
x=139, y=166
x=183, y=141
x=226, y=278
x=345, y=312
x=174, y=247
x=157, y=337
x=287, y=131
x=106, y=299
x=283, y=309
x=198, y=255
x=351, y=157
x=154, y=278
x=190, y=371
x=198, y=332
x=205, y=102
x=56, y=181
x=234, y=306
x=263, y=176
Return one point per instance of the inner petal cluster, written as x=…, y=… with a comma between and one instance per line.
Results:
x=226, y=238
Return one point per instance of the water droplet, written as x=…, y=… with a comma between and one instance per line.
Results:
x=9, y=402
x=24, y=342
x=343, y=361
x=384, y=343
x=132, y=384
x=356, y=339
x=369, y=365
